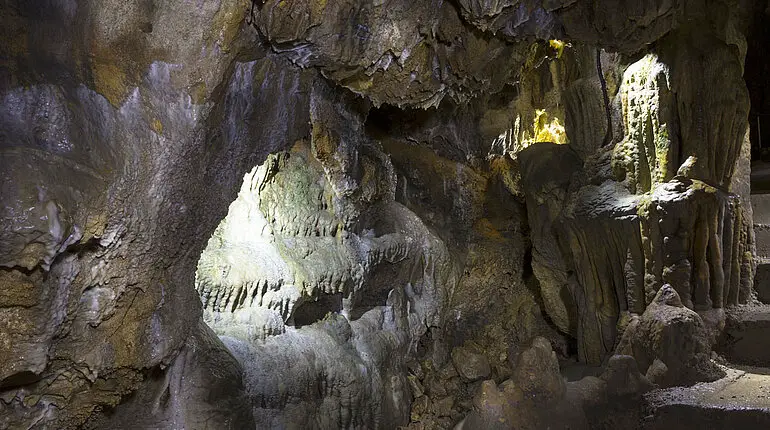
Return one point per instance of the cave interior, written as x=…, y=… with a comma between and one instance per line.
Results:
x=385, y=214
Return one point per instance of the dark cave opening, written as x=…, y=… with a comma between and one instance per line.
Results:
x=313, y=311
x=756, y=72
x=19, y=379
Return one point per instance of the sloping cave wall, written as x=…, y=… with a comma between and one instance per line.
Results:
x=403, y=237
x=126, y=128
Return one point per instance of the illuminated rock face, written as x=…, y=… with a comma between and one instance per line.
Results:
x=305, y=253
x=371, y=286
x=407, y=207
x=318, y=266
x=610, y=231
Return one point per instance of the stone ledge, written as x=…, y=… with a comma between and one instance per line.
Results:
x=739, y=400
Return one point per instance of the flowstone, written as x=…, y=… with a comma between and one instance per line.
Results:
x=317, y=265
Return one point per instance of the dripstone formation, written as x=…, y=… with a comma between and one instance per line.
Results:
x=369, y=214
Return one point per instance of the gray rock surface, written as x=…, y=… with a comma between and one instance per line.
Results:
x=743, y=340
x=116, y=157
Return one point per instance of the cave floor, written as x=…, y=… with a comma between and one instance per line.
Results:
x=740, y=400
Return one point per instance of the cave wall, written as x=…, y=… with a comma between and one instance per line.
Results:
x=436, y=186
x=660, y=202
x=126, y=131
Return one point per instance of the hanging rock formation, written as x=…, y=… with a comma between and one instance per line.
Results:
x=450, y=199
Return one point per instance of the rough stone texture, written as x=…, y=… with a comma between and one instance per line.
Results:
x=469, y=365
x=744, y=339
x=702, y=254
x=537, y=373
x=402, y=53
x=739, y=400
x=670, y=342
x=613, y=399
x=377, y=235
x=546, y=194
x=535, y=397
x=342, y=374
x=623, y=377
x=761, y=232
x=125, y=130
x=619, y=25
x=609, y=232
x=647, y=156
x=321, y=224
x=741, y=186
x=194, y=392
x=762, y=225
x=762, y=282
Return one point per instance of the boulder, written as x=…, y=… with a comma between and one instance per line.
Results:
x=623, y=377
x=537, y=373
x=675, y=336
x=470, y=365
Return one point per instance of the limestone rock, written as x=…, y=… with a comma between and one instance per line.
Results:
x=694, y=76
x=676, y=337
x=470, y=365
x=537, y=373
x=658, y=373
x=375, y=232
x=681, y=250
x=500, y=408
x=623, y=377
x=107, y=188
x=443, y=407
x=202, y=387
x=535, y=397
x=402, y=53
x=602, y=239
x=648, y=153
x=420, y=407
x=590, y=392
x=545, y=196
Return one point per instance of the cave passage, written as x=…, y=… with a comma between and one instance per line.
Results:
x=340, y=214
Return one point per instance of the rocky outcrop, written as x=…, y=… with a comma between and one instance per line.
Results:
x=711, y=278
x=120, y=149
x=402, y=53
x=670, y=343
x=316, y=236
x=203, y=385
x=469, y=365
x=546, y=194
x=649, y=206
x=535, y=397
